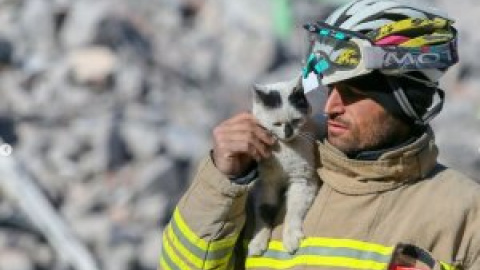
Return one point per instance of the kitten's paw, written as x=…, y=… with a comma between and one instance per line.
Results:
x=292, y=239
x=258, y=245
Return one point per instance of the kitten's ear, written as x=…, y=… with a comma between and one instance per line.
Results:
x=259, y=87
x=299, y=85
x=258, y=90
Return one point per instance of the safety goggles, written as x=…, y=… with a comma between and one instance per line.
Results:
x=337, y=54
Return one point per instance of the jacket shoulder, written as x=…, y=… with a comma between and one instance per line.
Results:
x=454, y=181
x=449, y=188
x=458, y=198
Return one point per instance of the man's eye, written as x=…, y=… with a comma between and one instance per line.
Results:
x=351, y=92
x=357, y=92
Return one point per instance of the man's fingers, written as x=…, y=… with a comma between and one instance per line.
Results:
x=252, y=148
x=246, y=134
x=238, y=146
x=240, y=136
x=252, y=129
x=245, y=116
x=237, y=141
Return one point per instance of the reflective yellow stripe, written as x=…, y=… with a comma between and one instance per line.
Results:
x=172, y=254
x=330, y=252
x=185, y=252
x=191, y=258
x=312, y=260
x=194, y=250
x=217, y=263
x=165, y=260
x=446, y=266
x=200, y=243
x=164, y=264
x=189, y=234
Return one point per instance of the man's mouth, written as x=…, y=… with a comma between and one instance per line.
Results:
x=336, y=127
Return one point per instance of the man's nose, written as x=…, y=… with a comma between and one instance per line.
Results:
x=334, y=104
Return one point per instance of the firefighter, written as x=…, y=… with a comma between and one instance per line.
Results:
x=385, y=201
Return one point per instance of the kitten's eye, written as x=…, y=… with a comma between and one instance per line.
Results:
x=277, y=124
x=296, y=122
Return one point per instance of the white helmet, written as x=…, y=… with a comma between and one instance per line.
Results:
x=396, y=37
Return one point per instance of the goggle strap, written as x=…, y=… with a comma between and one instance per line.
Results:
x=344, y=33
x=402, y=59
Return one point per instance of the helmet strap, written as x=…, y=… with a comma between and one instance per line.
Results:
x=407, y=107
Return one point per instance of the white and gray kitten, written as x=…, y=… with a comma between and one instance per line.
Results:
x=283, y=109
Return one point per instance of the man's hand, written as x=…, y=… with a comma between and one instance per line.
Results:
x=239, y=141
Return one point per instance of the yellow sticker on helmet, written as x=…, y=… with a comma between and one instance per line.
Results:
x=410, y=27
x=428, y=40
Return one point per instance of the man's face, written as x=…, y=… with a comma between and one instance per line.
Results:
x=356, y=122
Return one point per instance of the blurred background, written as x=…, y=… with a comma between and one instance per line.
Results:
x=109, y=104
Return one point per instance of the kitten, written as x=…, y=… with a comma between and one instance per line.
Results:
x=283, y=109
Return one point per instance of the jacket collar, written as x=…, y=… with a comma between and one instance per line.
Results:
x=391, y=170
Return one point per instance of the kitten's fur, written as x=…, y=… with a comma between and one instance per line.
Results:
x=283, y=109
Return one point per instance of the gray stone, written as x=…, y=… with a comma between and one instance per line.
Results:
x=37, y=25
x=92, y=228
x=12, y=259
x=184, y=143
x=143, y=140
x=81, y=25
x=156, y=175
x=93, y=66
x=150, y=249
x=119, y=257
x=151, y=206
x=43, y=256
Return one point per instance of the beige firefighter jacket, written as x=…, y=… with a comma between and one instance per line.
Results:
x=403, y=207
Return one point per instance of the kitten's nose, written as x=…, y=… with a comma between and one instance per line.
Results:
x=288, y=130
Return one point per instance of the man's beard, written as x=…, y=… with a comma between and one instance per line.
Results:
x=386, y=133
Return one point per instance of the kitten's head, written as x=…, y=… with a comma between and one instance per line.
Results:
x=282, y=107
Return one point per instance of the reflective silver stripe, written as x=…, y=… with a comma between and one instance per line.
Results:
x=325, y=252
x=165, y=257
x=330, y=252
x=168, y=261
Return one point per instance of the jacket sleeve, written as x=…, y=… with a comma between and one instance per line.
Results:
x=475, y=264
x=206, y=223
